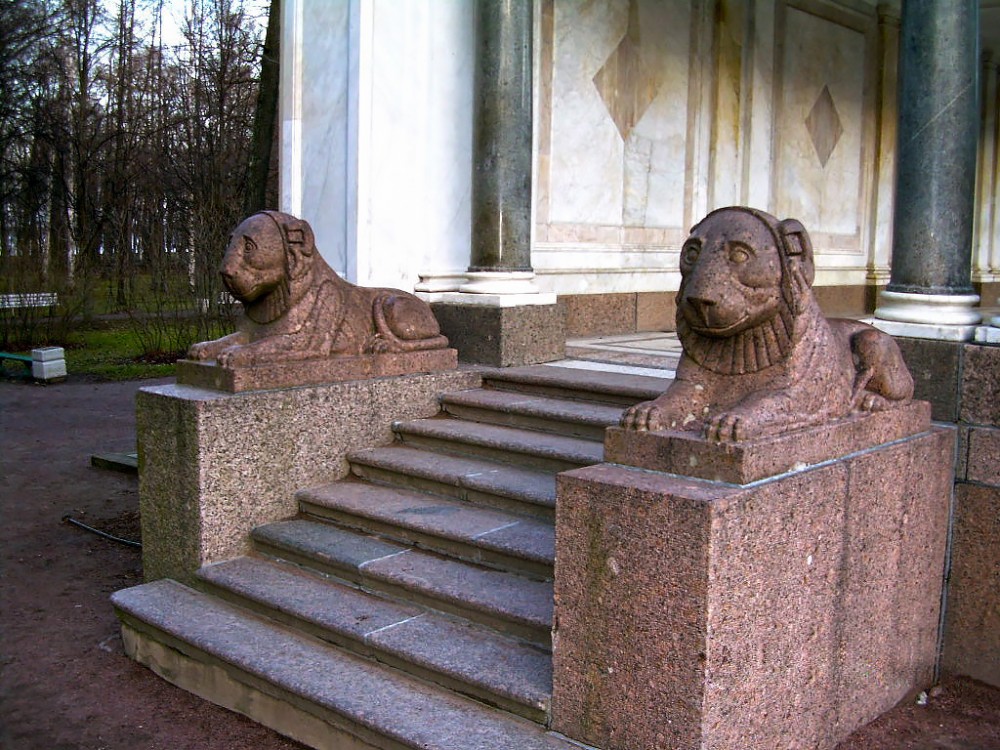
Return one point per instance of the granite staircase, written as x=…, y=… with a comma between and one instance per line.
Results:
x=410, y=604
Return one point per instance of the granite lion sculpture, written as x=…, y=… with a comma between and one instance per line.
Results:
x=759, y=356
x=297, y=308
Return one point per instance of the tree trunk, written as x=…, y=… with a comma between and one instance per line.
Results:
x=266, y=115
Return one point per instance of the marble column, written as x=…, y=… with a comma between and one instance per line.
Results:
x=930, y=293
x=502, y=150
x=988, y=187
x=498, y=317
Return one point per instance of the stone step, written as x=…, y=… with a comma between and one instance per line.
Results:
x=561, y=416
x=301, y=687
x=457, y=655
x=475, y=480
x=517, y=447
x=580, y=385
x=509, y=603
x=440, y=524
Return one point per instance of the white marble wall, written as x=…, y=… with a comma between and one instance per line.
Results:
x=613, y=83
x=377, y=133
x=315, y=74
x=822, y=148
x=717, y=111
x=649, y=113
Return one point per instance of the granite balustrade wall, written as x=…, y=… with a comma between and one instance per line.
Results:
x=962, y=382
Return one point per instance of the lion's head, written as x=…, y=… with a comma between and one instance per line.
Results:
x=745, y=277
x=267, y=263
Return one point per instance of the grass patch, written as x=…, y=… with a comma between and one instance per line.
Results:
x=115, y=354
x=106, y=353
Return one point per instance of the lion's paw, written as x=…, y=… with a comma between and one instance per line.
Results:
x=642, y=417
x=235, y=356
x=730, y=427
x=874, y=402
x=200, y=351
x=380, y=345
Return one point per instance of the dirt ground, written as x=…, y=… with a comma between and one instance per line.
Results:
x=64, y=681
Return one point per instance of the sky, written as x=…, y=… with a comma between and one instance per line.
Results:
x=173, y=15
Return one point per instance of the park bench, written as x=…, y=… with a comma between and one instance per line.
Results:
x=29, y=299
x=24, y=359
x=47, y=363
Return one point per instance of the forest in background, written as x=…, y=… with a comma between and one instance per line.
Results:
x=125, y=161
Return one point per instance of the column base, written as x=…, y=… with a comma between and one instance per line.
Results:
x=490, y=300
x=947, y=317
x=925, y=330
x=934, y=309
x=437, y=282
x=988, y=334
x=499, y=282
x=500, y=332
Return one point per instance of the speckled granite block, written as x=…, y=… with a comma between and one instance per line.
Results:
x=972, y=627
x=503, y=336
x=843, y=301
x=935, y=366
x=311, y=372
x=699, y=615
x=599, y=314
x=983, y=457
x=981, y=385
x=656, y=311
x=688, y=454
x=213, y=465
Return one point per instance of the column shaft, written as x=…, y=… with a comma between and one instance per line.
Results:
x=502, y=148
x=938, y=130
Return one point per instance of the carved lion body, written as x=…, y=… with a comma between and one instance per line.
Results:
x=296, y=307
x=759, y=356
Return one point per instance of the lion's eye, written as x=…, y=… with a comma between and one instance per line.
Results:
x=738, y=254
x=690, y=252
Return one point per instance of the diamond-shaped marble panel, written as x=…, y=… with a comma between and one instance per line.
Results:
x=626, y=84
x=824, y=126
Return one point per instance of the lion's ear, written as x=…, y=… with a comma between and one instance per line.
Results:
x=301, y=246
x=798, y=248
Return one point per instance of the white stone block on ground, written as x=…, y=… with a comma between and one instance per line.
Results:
x=48, y=370
x=48, y=354
x=48, y=363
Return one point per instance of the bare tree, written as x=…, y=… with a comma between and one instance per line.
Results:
x=124, y=162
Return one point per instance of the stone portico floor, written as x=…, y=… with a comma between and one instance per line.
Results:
x=64, y=680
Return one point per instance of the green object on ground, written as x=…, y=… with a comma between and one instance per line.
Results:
x=127, y=463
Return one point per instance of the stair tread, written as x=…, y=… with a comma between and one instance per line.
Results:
x=506, y=439
x=461, y=651
x=530, y=485
x=583, y=412
x=431, y=515
x=638, y=387
x=376, y=699
x=492, y=592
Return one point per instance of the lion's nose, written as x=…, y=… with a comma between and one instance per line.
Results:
x=702, y=308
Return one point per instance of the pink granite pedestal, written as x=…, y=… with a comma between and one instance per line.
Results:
x=318, y=371
x=213, y=465
x=780, y=613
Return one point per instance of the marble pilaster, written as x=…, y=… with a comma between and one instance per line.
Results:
x=376, y=109
x=930, y=285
